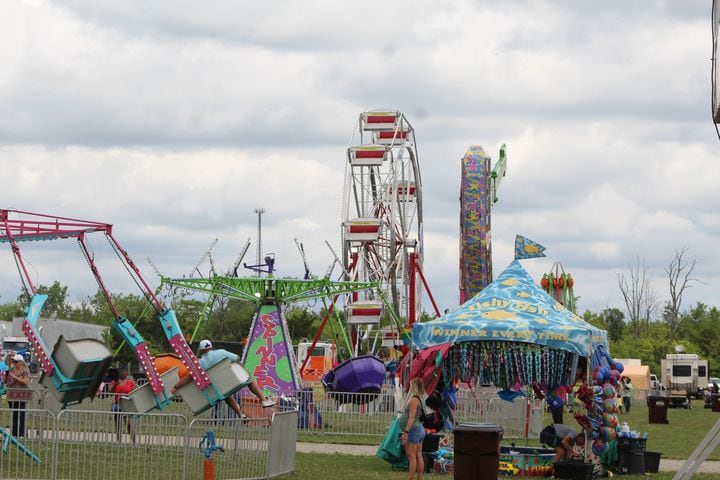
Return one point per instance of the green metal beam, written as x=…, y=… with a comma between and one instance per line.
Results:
x=498, y=172
x=262, y=290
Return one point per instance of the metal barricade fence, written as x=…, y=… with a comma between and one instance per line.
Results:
x=371, y=414
x=244, y=446
x=322, y=412
x=520, y=418
x=283, y=443
x=103, y=445
x=29, y=453
x=116, y=445
x=347, y=413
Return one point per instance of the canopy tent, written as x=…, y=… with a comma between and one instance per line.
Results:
x=639, y=375
x=512, y=308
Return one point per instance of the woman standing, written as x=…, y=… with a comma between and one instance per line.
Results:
x=18, y=378
x=414, y=432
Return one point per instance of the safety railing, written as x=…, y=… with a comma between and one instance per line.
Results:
x=321, y=412
x=87, y=444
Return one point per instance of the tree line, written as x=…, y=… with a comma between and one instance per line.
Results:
x=229, y=319
x=641, y=330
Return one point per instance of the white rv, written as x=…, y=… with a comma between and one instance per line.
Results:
x=684, y=375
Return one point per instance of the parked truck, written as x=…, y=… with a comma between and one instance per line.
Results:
x=684, y=375
x=322, y=358
x=19, y=345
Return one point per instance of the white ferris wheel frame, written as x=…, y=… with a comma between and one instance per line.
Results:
x=388, y=193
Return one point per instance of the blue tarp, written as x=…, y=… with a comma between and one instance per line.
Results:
x=515, y=309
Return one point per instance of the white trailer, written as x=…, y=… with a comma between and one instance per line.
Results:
x=685, y=375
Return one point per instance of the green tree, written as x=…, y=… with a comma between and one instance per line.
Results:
x=8, y=311
x=55, y=306
x=614, y=320
x=699, y=326
x=230, y=320
x=302, y=323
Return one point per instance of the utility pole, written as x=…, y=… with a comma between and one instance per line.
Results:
x=259, y=212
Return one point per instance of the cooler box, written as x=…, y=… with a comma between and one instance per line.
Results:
x=477, y=451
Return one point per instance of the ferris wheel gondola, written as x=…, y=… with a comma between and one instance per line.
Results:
x=382, y=219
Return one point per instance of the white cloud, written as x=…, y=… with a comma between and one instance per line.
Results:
x=173, y=121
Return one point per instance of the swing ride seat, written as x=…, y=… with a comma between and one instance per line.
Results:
x=80, y=368
x=365, y=374
x=226, y=376
x=363, y=229
x=143, y=399
x=364, y=312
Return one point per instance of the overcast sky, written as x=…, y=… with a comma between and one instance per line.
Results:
x=175, y=120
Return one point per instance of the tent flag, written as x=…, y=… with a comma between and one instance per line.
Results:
x=526, y=248
x=513, y=308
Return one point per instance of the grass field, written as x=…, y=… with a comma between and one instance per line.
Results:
x=320, y=467
x=677, y=440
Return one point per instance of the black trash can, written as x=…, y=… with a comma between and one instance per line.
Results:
x=632, y=455
x=477, y=451
x=715, y=402
x=652, y=462
x=657, y=409
x=632, y=463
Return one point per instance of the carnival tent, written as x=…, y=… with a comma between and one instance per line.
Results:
x=639, y=375
x=515, y=309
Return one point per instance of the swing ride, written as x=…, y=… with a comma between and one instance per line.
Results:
x=74, y=370
x=269, y=355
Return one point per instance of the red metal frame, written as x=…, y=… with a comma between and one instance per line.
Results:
x=35, y=226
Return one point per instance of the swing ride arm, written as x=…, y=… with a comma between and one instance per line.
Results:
x=35, y=227
x=171, y=328
x=127, y=331
x=260, y=290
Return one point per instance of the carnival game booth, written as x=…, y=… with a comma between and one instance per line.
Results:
x=515, y=336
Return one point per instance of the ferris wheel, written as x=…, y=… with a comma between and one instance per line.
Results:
x=382, y=219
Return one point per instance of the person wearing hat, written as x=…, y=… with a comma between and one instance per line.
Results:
x=17, y=378
x=209, y=356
